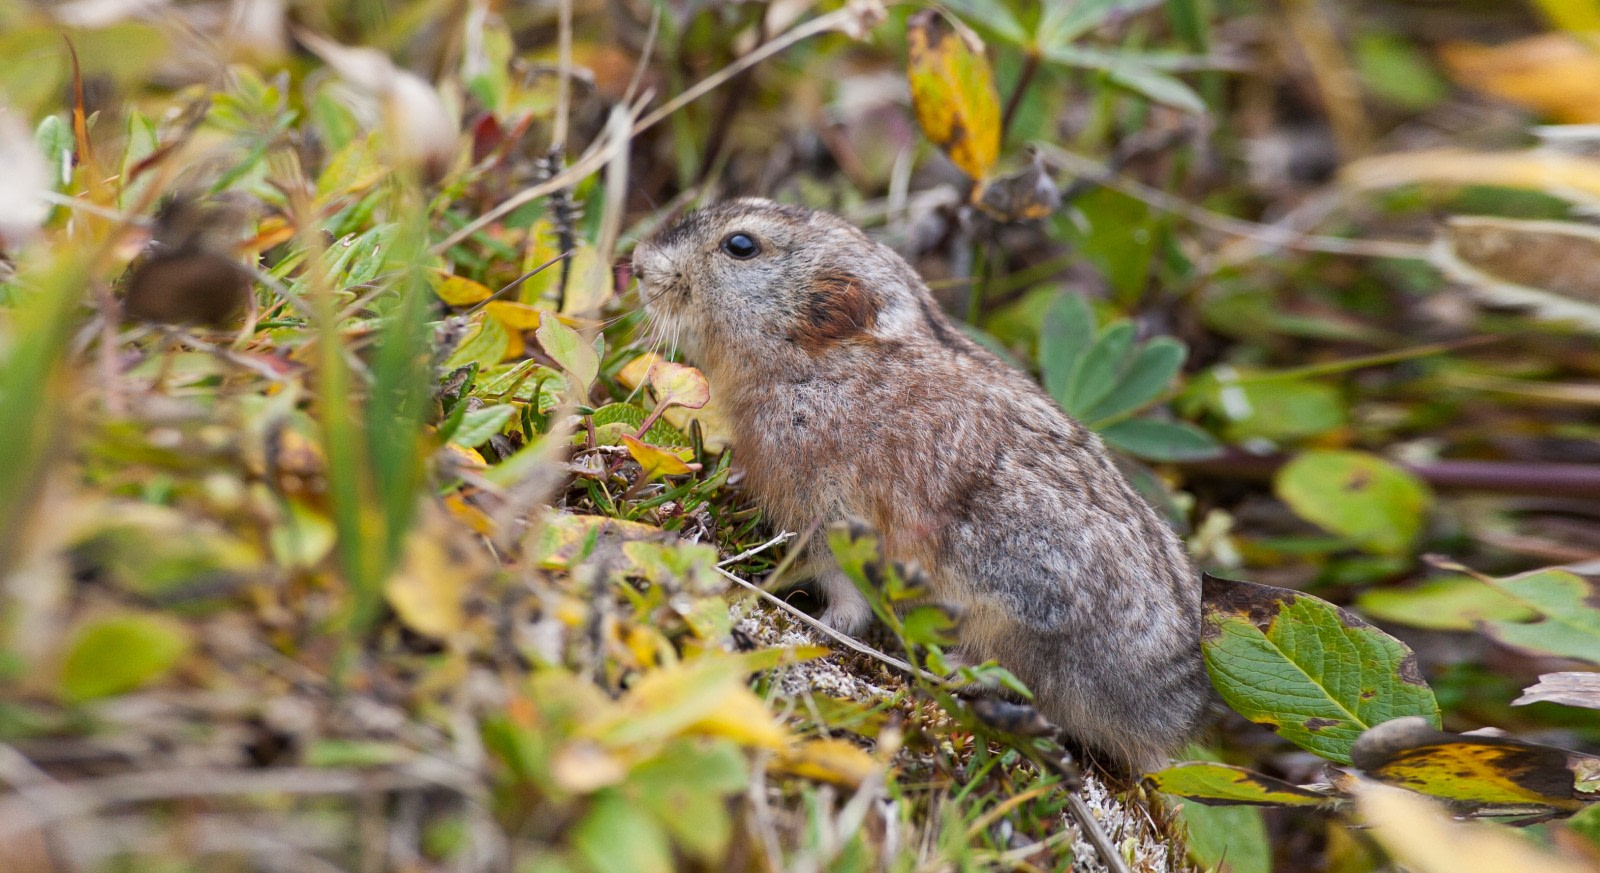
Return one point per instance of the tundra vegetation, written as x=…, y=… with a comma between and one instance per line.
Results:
x=351, y=517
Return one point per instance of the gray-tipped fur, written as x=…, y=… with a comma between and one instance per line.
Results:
x=851, y=395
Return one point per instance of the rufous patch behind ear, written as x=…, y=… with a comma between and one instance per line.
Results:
x=837, y=308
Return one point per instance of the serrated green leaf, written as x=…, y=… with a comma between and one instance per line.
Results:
x=1154, y=367
x=1068, y=332
x=1373, y=503
x=121, y=652
x=1315, y=674
x=478, y=425
x=1100, y=367
x=630, y=417
x=1161, y=440
x=1217, y=784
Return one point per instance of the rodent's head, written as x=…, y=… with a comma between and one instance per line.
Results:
x=752, y=281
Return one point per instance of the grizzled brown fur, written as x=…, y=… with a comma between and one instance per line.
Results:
x=851, y=395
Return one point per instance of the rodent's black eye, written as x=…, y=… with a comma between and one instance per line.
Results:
x=741, y=245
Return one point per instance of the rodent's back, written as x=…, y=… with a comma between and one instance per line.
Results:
x=851, y=394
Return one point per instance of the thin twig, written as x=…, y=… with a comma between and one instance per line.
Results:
x=756, y=550
x=829, y=632
x=1095, y=835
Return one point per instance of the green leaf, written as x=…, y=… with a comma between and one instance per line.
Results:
x=1158, y=86
x=1452, y=603
x=1100, y=368
x=1316, y=674
x=1586, y=824
x=617, y=836
x=568, y=349
x=1217, y=784
x=478, y=425
x=1161, y=440
x=1135, y=72
x=121, y=652
x=522, y=381
x=686, y=787
x=1373, y=503
x=1066, y=21
x=627, y=418
x=994, y=16
x=1227, y=839
x=1153, y=369
x=1275, y=409
x=1567, y=620
x=1068, y=331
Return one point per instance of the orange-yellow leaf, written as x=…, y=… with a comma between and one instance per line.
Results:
x=460, y=291
x=515, y=316
x=1554, y=74
x=657, y=461
x=679, y=385
x=953, y=91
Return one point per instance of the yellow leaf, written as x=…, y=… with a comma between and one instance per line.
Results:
x=515, y=316
x=469, y=458
x=1554, y=74
x=953, y=91
x=472, y=516
x=427, y=590
x=563, y=535
x=459, y=290
x=829, y=760
x=1423, y=839
x=704, y=696
x=637, y=371
x=655, y=460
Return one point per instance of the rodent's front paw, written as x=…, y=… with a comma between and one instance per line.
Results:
x=847, y=611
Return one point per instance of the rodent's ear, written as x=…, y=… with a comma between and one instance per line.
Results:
x=837, y=307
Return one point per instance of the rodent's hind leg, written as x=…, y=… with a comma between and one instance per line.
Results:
x=846, y=610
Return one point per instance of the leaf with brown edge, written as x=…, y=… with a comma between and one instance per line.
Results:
x=1481, y=770
x=1215, y=784
x=953, y=91
x=1314, y=673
